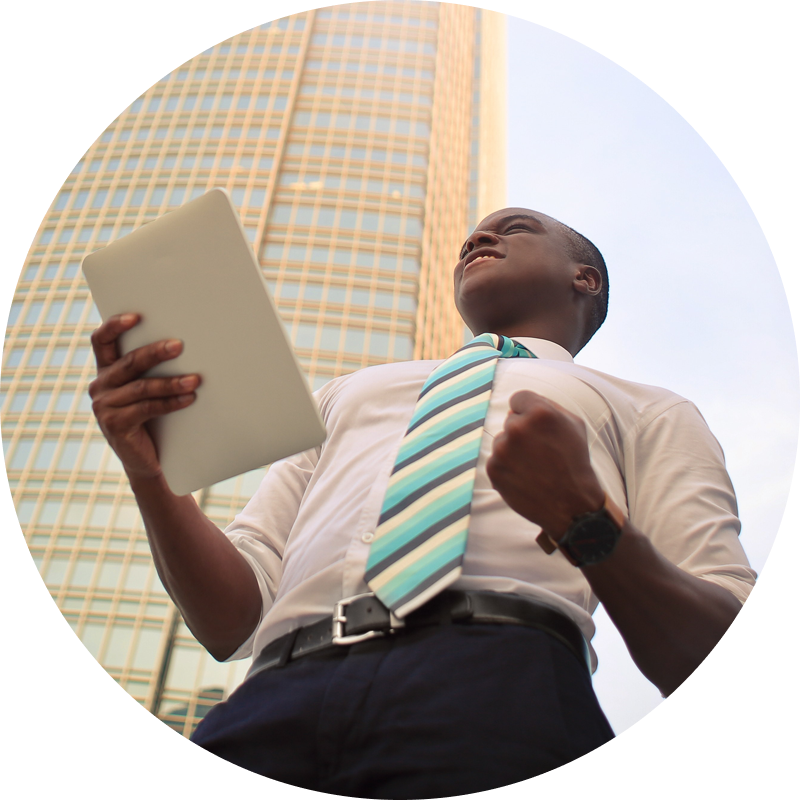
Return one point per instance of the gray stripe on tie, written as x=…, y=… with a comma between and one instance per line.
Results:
x=446, y=439
x=450, y=403
x=406, y=501
x=414, y=543
x=429, y=581
x=463, y=368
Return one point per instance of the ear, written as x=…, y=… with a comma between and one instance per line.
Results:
x=588, y=280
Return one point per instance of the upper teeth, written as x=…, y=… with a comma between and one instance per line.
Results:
x=482, y=258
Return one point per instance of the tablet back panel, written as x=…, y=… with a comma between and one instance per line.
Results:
x=192, y=275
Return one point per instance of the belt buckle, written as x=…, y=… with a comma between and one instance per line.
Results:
x=340, y=620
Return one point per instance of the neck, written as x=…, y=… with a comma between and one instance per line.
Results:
x=567, y=336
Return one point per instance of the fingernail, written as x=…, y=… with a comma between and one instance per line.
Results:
x=188, y=382
x=173, y=346
x=128, y=319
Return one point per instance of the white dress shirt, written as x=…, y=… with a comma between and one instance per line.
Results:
x=306, y=531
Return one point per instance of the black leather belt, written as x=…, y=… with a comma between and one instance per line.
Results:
x=363, y=617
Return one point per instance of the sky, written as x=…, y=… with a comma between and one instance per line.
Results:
x=668, y=134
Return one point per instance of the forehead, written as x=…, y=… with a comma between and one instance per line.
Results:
x=499, y=218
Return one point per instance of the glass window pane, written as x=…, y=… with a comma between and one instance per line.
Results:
x=49, y=513
x=119, y=643
x=69, y=454
x=82, y=572
x=21, y=454
x=25, y=511
x=109, y=574
x=92, y=456
x=101, y=511
x=136, y=579
x=147, y=649
x=44, y=456
x=56, y=570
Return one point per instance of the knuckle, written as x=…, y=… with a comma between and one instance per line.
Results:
x=111, y=426
x=129, y=360
x=541, y=415
x=499, y=453
x=139, y=388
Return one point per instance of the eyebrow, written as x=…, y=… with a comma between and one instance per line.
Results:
x=504, y=222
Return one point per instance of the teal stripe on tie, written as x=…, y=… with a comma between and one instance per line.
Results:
x=439, y=466
x=412, y=560
x=404, y=583
x=469, y=383
x=398, y=537
x=460, y=418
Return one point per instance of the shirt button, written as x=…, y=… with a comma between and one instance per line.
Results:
x=367, y=537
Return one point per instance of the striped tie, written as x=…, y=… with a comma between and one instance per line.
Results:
x=421, y=537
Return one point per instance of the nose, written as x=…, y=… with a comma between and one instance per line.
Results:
x=478, y=238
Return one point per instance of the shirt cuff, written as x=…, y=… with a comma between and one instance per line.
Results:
x=246, y=648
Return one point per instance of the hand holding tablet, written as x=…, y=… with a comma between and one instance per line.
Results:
x=192, y=276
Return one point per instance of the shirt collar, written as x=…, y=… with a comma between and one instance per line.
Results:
x=542, y=348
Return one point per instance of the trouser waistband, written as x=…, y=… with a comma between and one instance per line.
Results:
x=363, y=617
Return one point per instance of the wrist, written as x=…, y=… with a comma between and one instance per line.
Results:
x=590, y=538
x=590, y=501
x=148, y=483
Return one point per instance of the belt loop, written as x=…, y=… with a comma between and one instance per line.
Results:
x=462, y=607
x=286, y=650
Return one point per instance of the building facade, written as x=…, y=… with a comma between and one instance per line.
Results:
x=360, y=143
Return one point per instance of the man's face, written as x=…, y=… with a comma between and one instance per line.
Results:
x=512, y=268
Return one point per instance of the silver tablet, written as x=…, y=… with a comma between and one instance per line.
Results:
x=192, y=275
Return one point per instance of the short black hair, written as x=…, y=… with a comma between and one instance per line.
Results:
x=582, y=251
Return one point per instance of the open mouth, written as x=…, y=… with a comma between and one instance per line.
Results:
x=482, y=259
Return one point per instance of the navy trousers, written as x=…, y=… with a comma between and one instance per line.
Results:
x=433, y=712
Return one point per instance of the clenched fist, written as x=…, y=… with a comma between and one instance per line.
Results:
x=540, y=464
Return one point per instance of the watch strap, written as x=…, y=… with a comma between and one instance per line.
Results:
x=550, y=545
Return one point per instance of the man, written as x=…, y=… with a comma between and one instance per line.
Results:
x=587, y=488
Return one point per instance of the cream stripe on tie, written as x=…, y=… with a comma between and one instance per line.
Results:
x=422, y=531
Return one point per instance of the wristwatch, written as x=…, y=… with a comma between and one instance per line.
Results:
x=591, y=538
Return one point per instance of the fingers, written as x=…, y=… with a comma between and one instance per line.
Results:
x=119, y=421
x=104, y=339
x=150, y=389
x=520, y=402
x=114, y=370
x=124, y=409
x=134, y=364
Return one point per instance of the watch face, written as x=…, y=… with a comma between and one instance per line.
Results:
x=591, y=538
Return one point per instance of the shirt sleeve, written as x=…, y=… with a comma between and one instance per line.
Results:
x=260, y=531
x=681, y=497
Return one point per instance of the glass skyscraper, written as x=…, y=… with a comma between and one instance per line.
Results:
x=360, y=144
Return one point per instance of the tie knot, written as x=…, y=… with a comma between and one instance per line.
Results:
x=507, y=348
